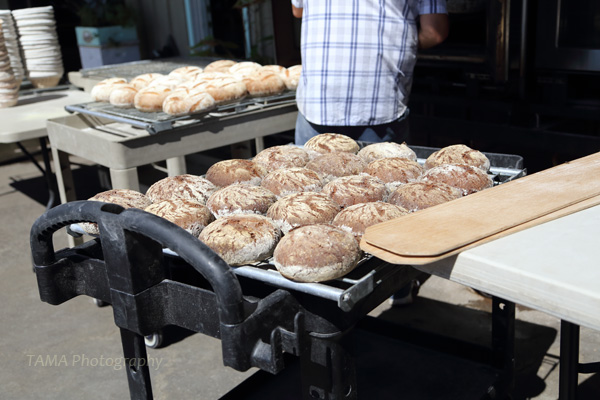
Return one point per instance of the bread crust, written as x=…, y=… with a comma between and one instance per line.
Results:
x=240, y=199
x=186, y=187
x=377, y=151
x=123, y=96
x=151, y=98
x=300, y=209
x=395, y=171
x=101, y=90
x=415, y=196
x=334, y=165
x=467, y=178
x=316, y=253
x=264, y=82
x=143, y=80
x=350, y=190
x=285, y=156
x=291, y=76
x=219, y=66
x=187, y=214
x=228, y=172
x=358, y=217
x=458, y=154
x=330, y=143
x=286, y=181
x=185, y=101
x=126, y=198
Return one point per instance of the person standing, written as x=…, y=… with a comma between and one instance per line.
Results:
x=358, y=58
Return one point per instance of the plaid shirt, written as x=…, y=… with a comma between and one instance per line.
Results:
x=358, y=58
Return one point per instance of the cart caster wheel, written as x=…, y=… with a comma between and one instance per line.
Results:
x=154, y=341
x=99, y=303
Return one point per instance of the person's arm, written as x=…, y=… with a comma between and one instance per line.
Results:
x=297, y=12
x=433, y=30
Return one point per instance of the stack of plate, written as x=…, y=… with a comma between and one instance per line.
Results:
x=9, y=87
x=11, y=40
x=37, y=31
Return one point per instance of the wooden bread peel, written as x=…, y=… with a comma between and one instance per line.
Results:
x=448, y=228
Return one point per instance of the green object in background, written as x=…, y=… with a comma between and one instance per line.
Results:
x=108, y=35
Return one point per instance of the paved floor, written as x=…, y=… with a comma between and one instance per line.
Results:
x=71, y=351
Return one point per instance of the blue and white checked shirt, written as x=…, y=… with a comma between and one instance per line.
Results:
x=358, y=58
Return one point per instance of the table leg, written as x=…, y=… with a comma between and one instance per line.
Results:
x=176, y=166
x=66, y=186
x=260, y=144
x=569, y=361
x=125, y=178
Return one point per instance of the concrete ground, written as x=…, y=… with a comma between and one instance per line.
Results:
x=69, y=351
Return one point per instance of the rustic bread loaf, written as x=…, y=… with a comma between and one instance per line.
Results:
x=330, y=143
x=102, y=90
x=350, y=190
x=184, y=101
x=378, y=151
x=240, y=199
x=228, y=172
x=358, y=217
x=189, y=72
x=467, y=178
x=219, y=66
x=151, y=98
x=242, y=239
x=415, y=196
x=300, y=209
x=316, y=253
x=458, y=154
x=187, y=214
x=285, y=156
x=143, y=80
x=244, y=69
x=223, y=89
x=286, y=181
x=395, y=171
x=186, y=187
x=291, y=76
x=334, y=165
x=264, y=82
x=126, y=198
x=123, y=96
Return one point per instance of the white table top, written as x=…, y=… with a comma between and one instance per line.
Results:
x=27, y=119
x=553, y=267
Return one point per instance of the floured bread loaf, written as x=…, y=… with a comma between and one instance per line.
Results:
x=187, y=214
x=151, y=98
x=126, y=198
x=167, y=81
x=143, y=80
x=220, y=66
x=330, y=143
x=350, y=190
x=264, y=83
x=285, y=156
x=228, y=172
x=458, y=154
x=415, y=196
x=357, y=218
x=240, y=199
x=223, y=89
x=465, y=177
x=291, y=76
x=184, y=101
x=378, y=151
x=101, y=90
x=286, y=181
x=395, y=171
x=316, y=253
x=242, y=239
x=186, y=187
x=244, y=69
x=186, y=73
x=334, y=165
x=301, y=209
x=123, y=96
x=278, y=69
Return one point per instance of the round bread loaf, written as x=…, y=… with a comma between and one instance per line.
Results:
x=242, y=239
x=330, y=143
x=151, y=98
x=277, y=157
x=334, y=165
x=240, y=199
x=143, y=80
x=291, y=76
x=358, y=217
x=286, y=181
x=395, y=171
x=244, y=69
x=228, y=172
x=415, y=196
x=300, y=209
x=126, y=198
x=101, y=90
x=184, y=101
x=187, y=214
x=219, y=66
x=378, y=151
x=224, y=89
x=186, y=187
x=350, y=190
x=186, y=73
x=316, y=253
x=465, y=177
x=123, y=96
x=167, y=81
x=264, y=83
x=458, y=154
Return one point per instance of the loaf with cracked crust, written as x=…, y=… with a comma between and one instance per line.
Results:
x=415, y=196
x=458, y=154
x=240, y=199
x=186, y=186
x=358, y=217
x=187, y=214
x=235, y=170
x=284, y=156
x=377, y=151
x=300, y=209
x=350, y=190
x=126, y=198
x=467, y=178
x=286, y=181
x=335, y=165
x=330, y=143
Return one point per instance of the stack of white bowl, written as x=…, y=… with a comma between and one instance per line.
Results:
x=11, y=40
x=37, y=34
x=9, y=87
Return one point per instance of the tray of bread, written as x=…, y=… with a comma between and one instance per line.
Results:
x=293, y=216
x=156, y=100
